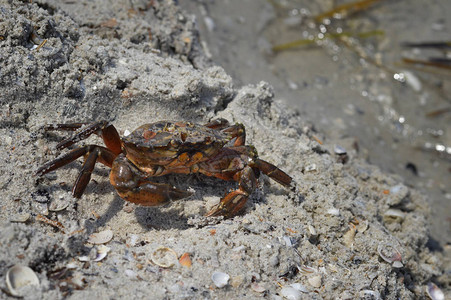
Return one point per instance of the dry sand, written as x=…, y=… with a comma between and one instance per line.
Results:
x=137, y=62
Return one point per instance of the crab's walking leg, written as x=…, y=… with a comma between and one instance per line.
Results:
x=93, y=153
x=273, y=172
x=108, y=133
x=133, y=186
x=234, y=201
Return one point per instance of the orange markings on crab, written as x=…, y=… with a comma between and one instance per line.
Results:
x=149, y=134
x=215, y=149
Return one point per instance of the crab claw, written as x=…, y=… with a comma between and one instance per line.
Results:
x=230, y=205
x=152, y=194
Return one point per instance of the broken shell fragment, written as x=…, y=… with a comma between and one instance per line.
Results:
x=391, y=255
x=315, y=281
x=21, y=218
x=220, y=279
x=290, y=293
x=434, y=292
x=58, y=205
x=348, y=237
x=164, y=257
x=257, y=287
x=19, y=277
x=102, y=237
x=102, y=252
x=185, y=260
x=394, y=215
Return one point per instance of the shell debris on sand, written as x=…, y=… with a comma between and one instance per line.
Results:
x=220, y=279
x=19, y=277
x=290, y=293
x=185, y=260
x=102, y=252
x=390, y=254
x=102, y=237
x=434, y=292
x=164, y=257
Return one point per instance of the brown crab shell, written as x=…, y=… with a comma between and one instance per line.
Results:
x=159, y=143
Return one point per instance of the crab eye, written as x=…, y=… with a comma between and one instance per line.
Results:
x=148, y=134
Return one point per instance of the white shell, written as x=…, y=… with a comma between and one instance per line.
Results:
x=395, y=214
x=20, y=276
x=220, y=279
x=290, y=293
x=333, y=211
x=390, y=254
x=58, y=205
x=299, y=287
x=315, y=281
x=101, y=237
x=434, y=292
x=102, y=252
x=257, y=287
x=164, y=257
x=21, y=218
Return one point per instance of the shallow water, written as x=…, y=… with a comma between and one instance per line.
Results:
x=351, y=87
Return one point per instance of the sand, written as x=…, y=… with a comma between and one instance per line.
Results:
x=139, y=62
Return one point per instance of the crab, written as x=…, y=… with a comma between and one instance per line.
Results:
x=215, y=149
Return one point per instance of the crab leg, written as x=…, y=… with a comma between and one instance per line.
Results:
x=108, y=133
x=94, y=153
x=133, y=186
x=273, y=172
x=234, y=201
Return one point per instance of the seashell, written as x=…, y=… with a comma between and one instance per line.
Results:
x=220, y=279
x=306, y=269
x=362, y=227
x=315, y=281
x=19, y=277
x=299, y=287
x=348, y=237
x=391, y=255
x=58, y=205
x=71, y=266
x=333, y=211
x=101, y=237
x=102, y=252
x=339, y=150
x=311, y=229
x=164, y=257
x=290, y=293
x=84, y=258
x=185, y=260
x=257, y=287
x=310, y=168
x=397, y=194
x=373, y=294
x=394, y=215
x=21, y=218
x=434, y=292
